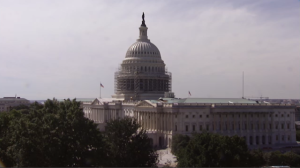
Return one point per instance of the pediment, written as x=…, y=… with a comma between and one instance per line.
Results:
x=145, y=103
x=97, y=102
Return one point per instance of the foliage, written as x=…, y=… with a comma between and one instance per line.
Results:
x=212, y=150
x=273, y=158
x=256, y=158
x=291, y=159
x=56, y=134
x=129, y=146
x=179, y=142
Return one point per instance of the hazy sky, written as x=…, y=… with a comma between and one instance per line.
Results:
x=64, y=48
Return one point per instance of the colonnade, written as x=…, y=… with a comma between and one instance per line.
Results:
x=155, y=121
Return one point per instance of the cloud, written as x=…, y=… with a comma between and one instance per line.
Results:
x=65, y=48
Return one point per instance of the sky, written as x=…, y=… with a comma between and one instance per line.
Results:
x=65, y=48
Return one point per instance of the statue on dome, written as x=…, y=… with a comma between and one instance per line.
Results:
x=143, y=16
x=143, y=22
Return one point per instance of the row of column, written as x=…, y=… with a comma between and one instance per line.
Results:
x=153, y=121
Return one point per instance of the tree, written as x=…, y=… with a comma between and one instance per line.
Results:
x=257, y=158
x=128, y=145
x=179, y=142
x=273, y=158
x=212, y=150
x=291, y=159
x=56, y=135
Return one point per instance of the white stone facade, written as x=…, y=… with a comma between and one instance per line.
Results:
x=262, y=125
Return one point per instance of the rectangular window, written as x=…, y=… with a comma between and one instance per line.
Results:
x=200, y=127
x=276, y=137
x=232, y=115
x=175, y=116
x=276, y=127
x=245, y=126
x=257, y=126
x=282, y=137
x=193, y=116
x=186, y=128
x=270, y=126
x=288, y=126
x=251, y=126
x=207, y=127
x=175, y=127
x=282, y=126
x=193, y=127
x=288, y=137
x=233, y=126
x=200, y=116
x=239, y=126
x=186, y=116
x=207, y=116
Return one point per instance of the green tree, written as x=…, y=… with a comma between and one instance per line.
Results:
x=256, y=158
x=291, y=159
x=128, y=145
x=56, y=135
x=212, y=150
x=274, y=158
x=179, y=142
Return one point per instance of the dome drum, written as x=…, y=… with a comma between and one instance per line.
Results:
x=142, y=74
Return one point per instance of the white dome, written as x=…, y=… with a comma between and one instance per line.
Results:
x=143, y=49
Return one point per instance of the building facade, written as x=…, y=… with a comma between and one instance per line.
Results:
x=261, y=125
x=7, y=102
x=141, y=82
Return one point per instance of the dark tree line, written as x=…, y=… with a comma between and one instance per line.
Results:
x=212, y=150
x=57, y=134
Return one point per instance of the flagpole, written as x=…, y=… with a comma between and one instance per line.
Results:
x=100, y=90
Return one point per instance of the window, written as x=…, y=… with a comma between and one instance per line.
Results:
x=276, y=127
x=281, y=115
x=270, y=126
x=282, y=126
x=239, y=116
x=232, y=115
x=200, y=116
x=207, y=127
x=233, y=126
x=220, y=115
x=276, y=115
x=193, y=127
x=187, y=116
x=257, y=115
x=251, y=115
x=175, y=127
x=252, y=126
x=193, y=116
x=207, y=116
x=288, y=138
x=276, y=137
x=282, y=137
x=175, y=116
x=200, y=127
x=288, y=115
x=245, y=126
x=288, y=126
x=186, y=128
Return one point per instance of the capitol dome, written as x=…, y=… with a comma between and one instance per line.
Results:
x=143, y=49
x=142, y=74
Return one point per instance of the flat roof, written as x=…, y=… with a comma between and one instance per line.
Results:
x=205, y=100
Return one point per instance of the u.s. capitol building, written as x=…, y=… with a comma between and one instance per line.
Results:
x=143, y=91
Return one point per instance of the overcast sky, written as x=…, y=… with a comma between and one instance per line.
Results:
x=64, y=48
